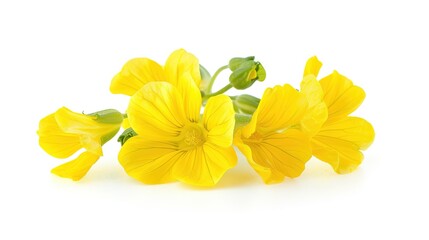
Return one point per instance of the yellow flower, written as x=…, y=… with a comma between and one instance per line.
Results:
x=337, y=138
x=173, y=141
x=64, y=132
x=271, y=143
x=140, y=71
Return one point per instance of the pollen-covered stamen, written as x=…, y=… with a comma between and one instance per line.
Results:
x=193, y=135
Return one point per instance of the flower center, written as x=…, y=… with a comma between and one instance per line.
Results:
x=193, y=135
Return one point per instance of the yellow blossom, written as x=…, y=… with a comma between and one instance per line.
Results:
x=64, y=132
x=140, y=71
x=338, y=139
x=271, y=143
x=173, y=141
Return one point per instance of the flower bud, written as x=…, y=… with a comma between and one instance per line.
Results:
x=245, y=71
x=245, y=103
x=235, y=63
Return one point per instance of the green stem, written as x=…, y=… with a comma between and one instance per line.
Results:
x=224, y=89
x=212, y=80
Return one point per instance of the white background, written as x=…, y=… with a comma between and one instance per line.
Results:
x=58, y=53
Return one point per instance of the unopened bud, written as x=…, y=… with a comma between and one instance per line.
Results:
x=245, y=103
x=245, y=71
x=235, y=63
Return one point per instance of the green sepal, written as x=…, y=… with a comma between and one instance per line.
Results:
x=205, y=78
x=127, y=134
x=260, y=71
x=235, y=63
x=108, y=116
x=205, y=75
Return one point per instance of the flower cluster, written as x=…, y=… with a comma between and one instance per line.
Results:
x=177, y=129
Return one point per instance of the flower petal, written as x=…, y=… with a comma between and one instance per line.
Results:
x=125, y=123
x=90, y=131
x=78, y=123
x=267, y=174
x=76, y=169
x=339, y=143
x=312, y=90
x=317, y=112
x=280, y=107
x=341, y=96
x=314, y=119
x=180, y=62
x=135, y=74
x=149, y=161
x=204, y=166
x=156, y=111
x=56, y=142
x=276, y=155
x=219, y=120
x=312, y=67
x=191, y=97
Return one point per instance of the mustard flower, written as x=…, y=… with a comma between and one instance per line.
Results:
x=337, y=138
x=174, y=142
x=64, y=132
x=271, y=142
